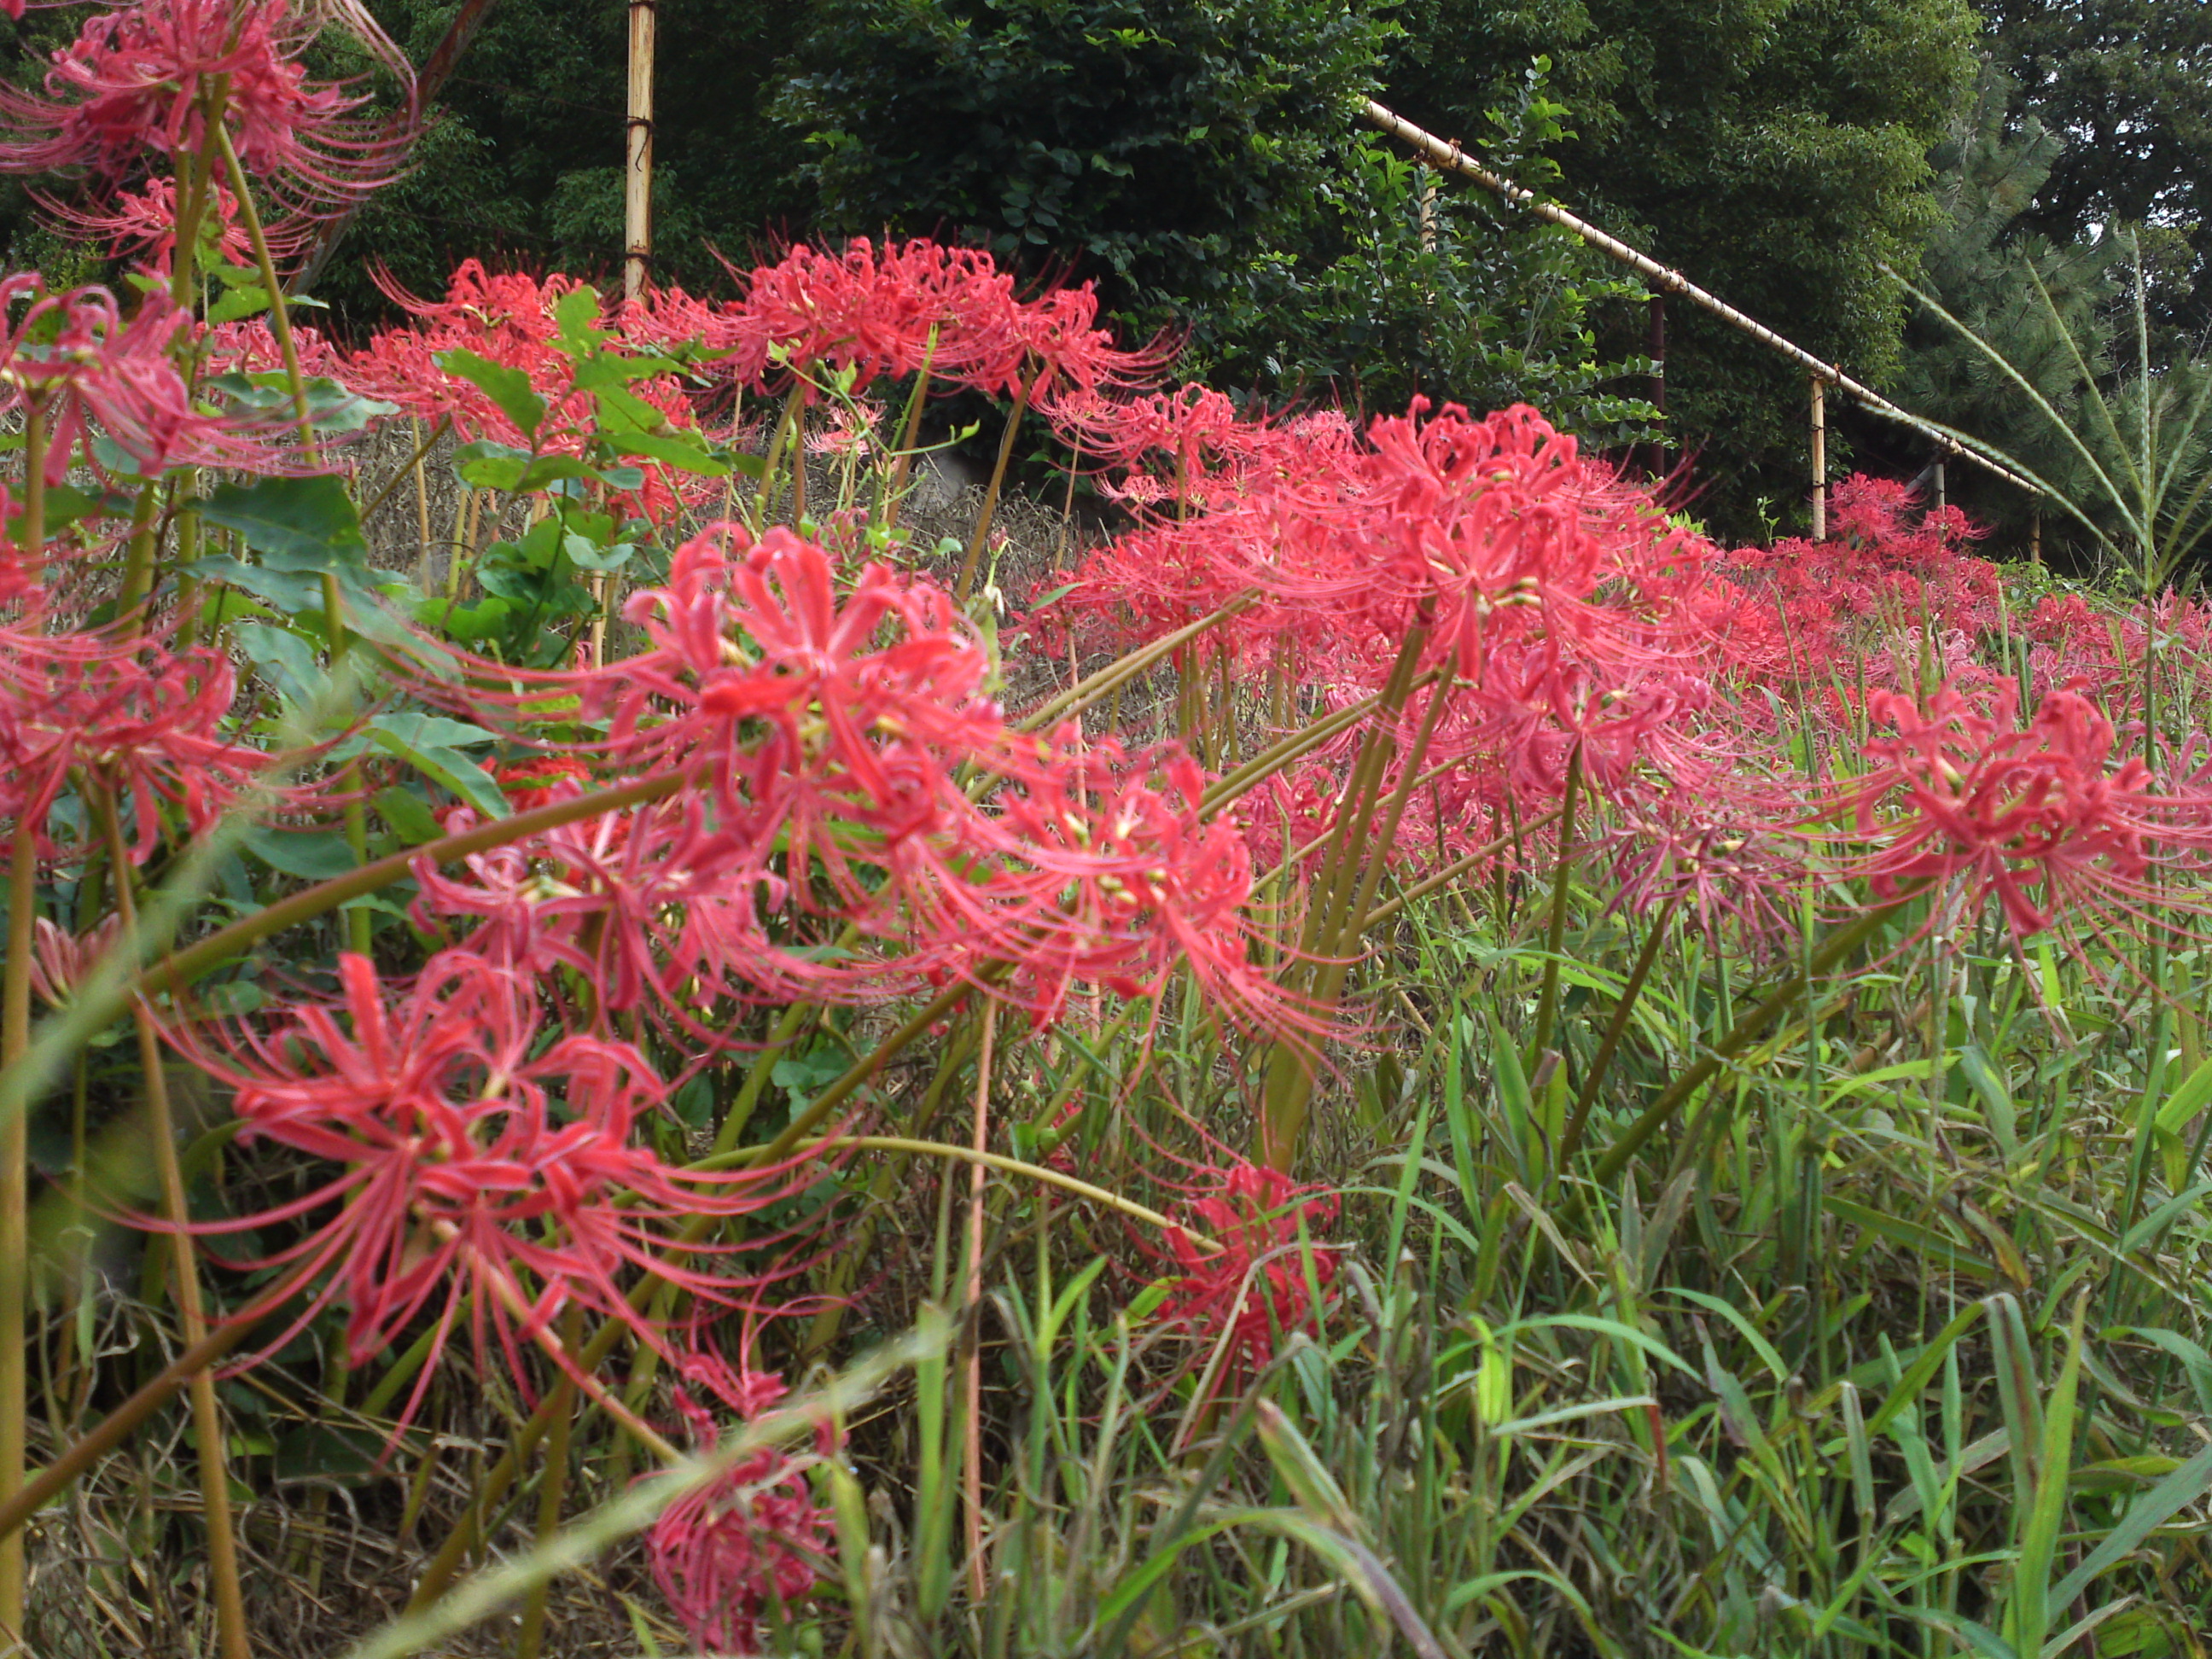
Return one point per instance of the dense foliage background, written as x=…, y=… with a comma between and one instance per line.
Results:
x=1199, y=162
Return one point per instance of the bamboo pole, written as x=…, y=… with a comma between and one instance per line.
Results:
x=637, y=177
x=1819, y=459
x=1438, y=153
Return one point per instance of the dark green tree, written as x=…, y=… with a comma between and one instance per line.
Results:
x=1163, y=149
x=2044, y=308
x=2128, y=85
x=1774, y=150
x=1409, y=285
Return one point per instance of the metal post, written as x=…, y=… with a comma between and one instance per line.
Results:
x=1819, y=459
x=637, y=181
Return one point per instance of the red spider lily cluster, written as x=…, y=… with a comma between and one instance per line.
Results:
x=89, y=373
x=459, y=1186
x=2046, y=817
x=1257, y=1284
x=724, y=1553
x=847, y=815
x=151, y=77
x=838, y=724
x=143, y=725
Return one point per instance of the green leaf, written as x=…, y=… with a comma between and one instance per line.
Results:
x=685, y=453
x=310, y=522
x=575, y=319
x=2144, y=1516
x=311, y=856
x=490, y=466
x=451, y=768
x=510, y=388
x=237, y=303
x=407, y=813
x=466, y=624
x=433, y=730
x=2186, y=1101
x=285, y=660
x=587, y=555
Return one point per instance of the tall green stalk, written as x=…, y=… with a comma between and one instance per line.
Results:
x=192, y=1316
x=360, y=925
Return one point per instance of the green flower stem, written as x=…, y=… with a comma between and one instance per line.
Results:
x=280, y=321
x=1547, y=1001
x=191, y=1317
x=1452, y=871
x=786, y=424
x=1122, y=670
x=359, y=923
x=983, y=532
x=553, y=1486
x=890, y=495
x=984, y=1160
x=1579, y=1118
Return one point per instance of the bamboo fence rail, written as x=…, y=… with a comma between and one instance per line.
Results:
x=1450, y=157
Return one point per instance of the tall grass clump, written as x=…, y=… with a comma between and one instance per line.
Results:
x=609, y=1049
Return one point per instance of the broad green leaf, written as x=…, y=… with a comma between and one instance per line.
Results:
x=449, y=767
x=2186, y=1101
x=432, y=730
x=510, y=388
x=408, y=814
x=285, y=660
x=310, y=521
x=681, y=453
x=490, y=466
x=310, y=855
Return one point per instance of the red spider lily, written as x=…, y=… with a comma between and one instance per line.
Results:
x=146, y=75
x=890, y=311
x=775, y=674
x=511, y=319
x=722, y=1552
x=647, y=907
x=1254, y=1290
x=459, y=1182
x=1800, y=612
x=72, y=356
x=2047, y=819
x=144, y=223
x=144, y=722
x=1107, y=875
x=60, y=960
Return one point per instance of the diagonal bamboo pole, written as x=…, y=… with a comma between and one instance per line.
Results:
x=1450, y=157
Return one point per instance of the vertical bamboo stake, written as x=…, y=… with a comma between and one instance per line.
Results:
x=1939, y=480
x=2035, y=537
x=1658, y=310
x=422, y=517
x=1819, y=459
x=637, y=179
